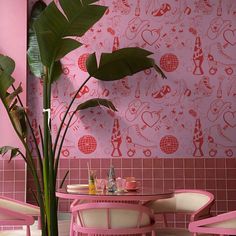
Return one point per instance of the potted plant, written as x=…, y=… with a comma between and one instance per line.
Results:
x=51, y=37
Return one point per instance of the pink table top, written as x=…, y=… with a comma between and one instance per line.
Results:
x=142, y=194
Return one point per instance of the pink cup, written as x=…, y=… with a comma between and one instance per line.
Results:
x=131, y=184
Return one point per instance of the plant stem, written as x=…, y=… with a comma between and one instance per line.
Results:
x=61, y=125
x=32, y=131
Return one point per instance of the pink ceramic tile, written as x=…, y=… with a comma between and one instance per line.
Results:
x=148, y=163
x=138, y=173
x=179, y=184
x=189, y=173
x=106, y=163
x=158, y=163
x=168, y=173
x=220, y=163
x=199, y=173
x=231, y=195
x=210, y=163
x=199, y=163
x=116, y=162
x=210, y=173
x=168, y=163
x=231, y=174
x=158, y=173
x=230, y=163
x=231, y=205
x=147, y=174
x=178, y=163
x=137, y=163
x=210, y=183
x=189, y=183
x=221, y=184
x=189, y=163
x=126, y=163
x=178, y=173
x=220, y=173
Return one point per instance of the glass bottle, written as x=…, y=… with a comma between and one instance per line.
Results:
x=111, y=186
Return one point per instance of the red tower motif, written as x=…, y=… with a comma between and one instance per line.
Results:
x=198, y=57
x=116, y=139
x=198, y=139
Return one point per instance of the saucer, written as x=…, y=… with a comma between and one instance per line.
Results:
x=132, y=189
x=77, y=186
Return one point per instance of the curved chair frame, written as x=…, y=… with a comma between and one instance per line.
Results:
x=202, y=212
x=21, y=207
x=223, y=224
x=108, y=206
x=9, y=217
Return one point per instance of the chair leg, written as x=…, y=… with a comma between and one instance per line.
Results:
x=28, y=230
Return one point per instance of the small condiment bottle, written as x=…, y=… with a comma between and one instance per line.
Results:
x=111, y=186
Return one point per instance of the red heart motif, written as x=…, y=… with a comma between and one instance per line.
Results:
x=150, y=36
x=230, y=118
x=230, y=36
x=150, y=118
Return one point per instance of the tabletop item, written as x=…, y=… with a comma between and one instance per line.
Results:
x=100, y=185
x=111, y=180
x=131, y=184
x=120, y=183
x=77, y=186
x=91, y=179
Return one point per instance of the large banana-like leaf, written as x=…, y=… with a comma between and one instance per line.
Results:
x=34, y=58
x=94, y=102
x=53, y=27
x=7, y=66
x=121, y=63
x=16, y=112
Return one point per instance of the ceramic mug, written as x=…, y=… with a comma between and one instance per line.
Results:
x=132, y=184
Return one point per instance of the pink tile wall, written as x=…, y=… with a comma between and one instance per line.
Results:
x=217, y=175
x=13, y=179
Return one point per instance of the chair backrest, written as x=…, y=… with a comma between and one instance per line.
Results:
x=111, y=218
x=10, y=217
x=19, y=206
x=189, y=201
x=223, y=224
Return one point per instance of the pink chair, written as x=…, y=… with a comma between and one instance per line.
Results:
x=21, y=207
x=14, y=218
x=111, y=218
x=223, y=224
x=194, y=203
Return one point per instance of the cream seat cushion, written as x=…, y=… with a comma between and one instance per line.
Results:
x=120, y=218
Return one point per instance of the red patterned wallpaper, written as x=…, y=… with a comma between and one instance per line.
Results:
x=191, y=114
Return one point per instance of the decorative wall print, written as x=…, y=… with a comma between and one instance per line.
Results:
x=191, y=114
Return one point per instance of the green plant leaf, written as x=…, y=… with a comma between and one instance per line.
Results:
x=13, y=151
x=57, y=70
x=53, y=27
x=7, y=64
x=96, y=102
x=11, y=96
x=121, y=63
x=34, y=58
x=18, y=116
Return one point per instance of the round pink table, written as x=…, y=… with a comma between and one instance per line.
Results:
x=142, y=194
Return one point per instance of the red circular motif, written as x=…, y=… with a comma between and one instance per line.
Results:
x=169, y=144
x=82, y=62
x=169, y=62
x=87, y=144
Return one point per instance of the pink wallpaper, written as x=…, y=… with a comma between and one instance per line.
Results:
x=191, y=114
x=13, y=28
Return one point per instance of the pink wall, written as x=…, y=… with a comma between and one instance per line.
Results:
x=13, y=26
x=191, y=114
x=13, y=42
